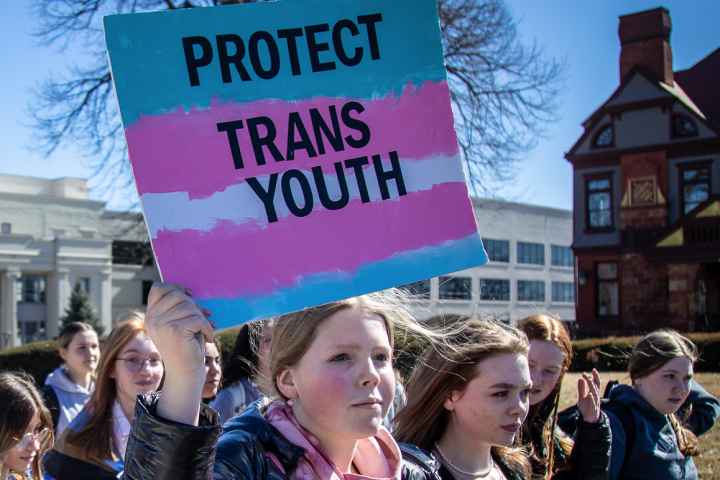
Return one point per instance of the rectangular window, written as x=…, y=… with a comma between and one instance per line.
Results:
x=146, y=286
x=84, y=284
x=497, y=250
x=455, y=288
x=531, y=253
x=563, y=292
x=561, y=256
x=418, y=290
x=694, y=185
x=531, y=290
x=608, y=293
x=599, y=202
x=495, y=289
x=33, y=288
x=6, y=228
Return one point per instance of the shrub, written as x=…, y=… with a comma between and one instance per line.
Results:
x=37, y=359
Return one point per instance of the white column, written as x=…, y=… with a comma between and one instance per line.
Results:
x=58, y=299
x=105, y=304
x=9, y=329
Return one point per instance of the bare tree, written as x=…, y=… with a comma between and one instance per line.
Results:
x=502, y=91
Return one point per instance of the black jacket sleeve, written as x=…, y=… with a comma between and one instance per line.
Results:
x=160, y=449
x=590, y=457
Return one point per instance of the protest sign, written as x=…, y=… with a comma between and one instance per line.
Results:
x=292, y=153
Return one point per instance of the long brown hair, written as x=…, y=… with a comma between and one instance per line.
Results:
x=95, y=437
x=539, y=427
x=449, y=366
x=20, y=402
x=652, y=352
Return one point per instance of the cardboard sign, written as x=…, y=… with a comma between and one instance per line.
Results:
x=292, y=153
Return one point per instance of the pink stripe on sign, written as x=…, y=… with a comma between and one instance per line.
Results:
x=237, y=260
x=184, y=152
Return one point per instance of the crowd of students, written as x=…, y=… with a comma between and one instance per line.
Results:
x=314, y=395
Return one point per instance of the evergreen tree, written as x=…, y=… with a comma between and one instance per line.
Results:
x=80, y=310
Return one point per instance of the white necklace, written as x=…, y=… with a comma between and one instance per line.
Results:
x=460, y=470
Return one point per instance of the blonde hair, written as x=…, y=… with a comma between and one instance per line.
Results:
x=95, y=437
x=294, y=333
x=539, y=427
x=20, y=402
x=449, y=366
x=652, y=352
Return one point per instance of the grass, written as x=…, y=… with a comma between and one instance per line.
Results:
x=708, y=462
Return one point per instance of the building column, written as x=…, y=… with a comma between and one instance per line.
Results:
x=9, y=321
x=58, y=297
x=105, y=304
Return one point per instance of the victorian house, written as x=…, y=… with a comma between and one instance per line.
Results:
x=646, y=175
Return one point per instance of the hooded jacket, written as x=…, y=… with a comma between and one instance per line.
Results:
x=71, y=397
x=250, y=448
x=655, y=453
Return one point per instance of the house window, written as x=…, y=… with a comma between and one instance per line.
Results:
x=33, y=289
x=146, y=286
x=531, y=253
x=694, y=185
x=531, y=290
x=6, y=228
x=605, y=137
x=608, y=293
x=455, y=288
x=599, y=202
x=561, y=256
x=683, y=126
x=497, y=250
x=563, y=292
x=495, y=289
x=419, y=289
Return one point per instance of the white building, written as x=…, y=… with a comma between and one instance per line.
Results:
x=53, y=236
x=530, y=269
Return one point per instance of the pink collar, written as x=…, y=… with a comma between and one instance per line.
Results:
x=376, y=458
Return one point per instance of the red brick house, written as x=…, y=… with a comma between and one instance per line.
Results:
x=646, y=176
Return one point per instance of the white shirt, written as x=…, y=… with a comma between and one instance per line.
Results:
x=121, y=429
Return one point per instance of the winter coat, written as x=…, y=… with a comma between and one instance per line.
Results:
x=66, y=461
x=655, y=452
x=71, y=398
x=422, y=465
x=160, y=449
x=233, y=399
x=590, y=455
x=700, y=410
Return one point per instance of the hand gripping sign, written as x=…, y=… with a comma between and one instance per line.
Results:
x=292, y=153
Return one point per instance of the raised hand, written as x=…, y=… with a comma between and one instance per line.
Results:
x=179, y=329
x=589, y=396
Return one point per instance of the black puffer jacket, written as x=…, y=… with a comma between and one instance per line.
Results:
x=590, y=457
x=159, y=449
x=425, y=466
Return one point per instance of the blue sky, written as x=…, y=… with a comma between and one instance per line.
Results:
x=581, y=33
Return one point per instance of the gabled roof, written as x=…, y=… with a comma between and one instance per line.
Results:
x=701, y=82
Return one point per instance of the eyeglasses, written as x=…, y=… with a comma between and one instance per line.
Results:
x=39, y=436
x=135, y=364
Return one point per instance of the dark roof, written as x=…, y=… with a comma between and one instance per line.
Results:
x=700, y=83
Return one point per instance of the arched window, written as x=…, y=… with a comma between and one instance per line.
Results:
x=683, y=126
x=605, y=137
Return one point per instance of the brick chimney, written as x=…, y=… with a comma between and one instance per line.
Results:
x=645, y=43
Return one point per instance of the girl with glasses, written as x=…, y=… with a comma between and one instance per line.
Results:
x=25, y=428
x=93, y=445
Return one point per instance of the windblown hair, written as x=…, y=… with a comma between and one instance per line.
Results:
x=20, y=402
x=243, y=361
x=94, y=439
x=294, y=333
x=449, y=366
x=652, y=352
x=539, y=427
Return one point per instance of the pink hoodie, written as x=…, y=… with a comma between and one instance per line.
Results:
x=376, y=458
